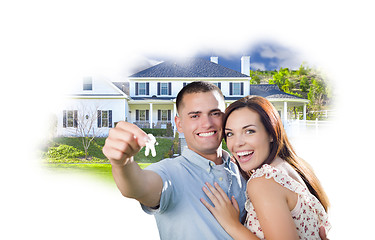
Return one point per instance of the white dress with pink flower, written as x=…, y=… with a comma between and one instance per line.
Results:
x=308, y=213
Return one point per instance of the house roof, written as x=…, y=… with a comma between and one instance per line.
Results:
x=123, y=86
x=191, y=68
x=270, y=91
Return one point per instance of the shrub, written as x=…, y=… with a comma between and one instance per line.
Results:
x=64, y=151
x=157, y=132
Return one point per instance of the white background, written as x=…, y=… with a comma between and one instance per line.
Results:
x=48, y=45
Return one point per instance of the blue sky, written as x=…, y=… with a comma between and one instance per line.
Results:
x=263, y=56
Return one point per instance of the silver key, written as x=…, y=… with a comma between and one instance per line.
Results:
x=150, y=145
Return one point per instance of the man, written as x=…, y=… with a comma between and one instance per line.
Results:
x=172, y=188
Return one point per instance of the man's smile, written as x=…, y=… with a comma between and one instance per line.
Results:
x=206, y=134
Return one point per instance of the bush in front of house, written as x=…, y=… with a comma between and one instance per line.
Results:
x=64, y=151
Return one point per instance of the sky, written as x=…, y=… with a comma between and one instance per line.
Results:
x=264, y=55
x=47, y=46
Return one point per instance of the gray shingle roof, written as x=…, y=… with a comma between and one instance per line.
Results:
x=191, y=68
x=270, y=91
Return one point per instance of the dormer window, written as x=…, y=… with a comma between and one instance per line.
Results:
x=87, y=84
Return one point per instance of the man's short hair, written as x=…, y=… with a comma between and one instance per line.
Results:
x=196, y=87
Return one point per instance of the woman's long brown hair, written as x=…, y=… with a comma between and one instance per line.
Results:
x=280, y=146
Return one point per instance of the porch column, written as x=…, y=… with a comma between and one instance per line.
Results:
x=304, y=112
x=285, y=117
x=150, y=115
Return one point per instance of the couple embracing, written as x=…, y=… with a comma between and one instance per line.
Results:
x=262, y=191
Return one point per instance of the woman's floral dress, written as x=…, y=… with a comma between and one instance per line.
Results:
x=308, y=213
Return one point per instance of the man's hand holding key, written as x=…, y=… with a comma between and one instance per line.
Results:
x=124, y=141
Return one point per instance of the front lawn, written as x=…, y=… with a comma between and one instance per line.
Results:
x=99, y=170
x=70, y=150
x=66, y=155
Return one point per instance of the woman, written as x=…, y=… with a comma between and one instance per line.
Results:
x=284, y=198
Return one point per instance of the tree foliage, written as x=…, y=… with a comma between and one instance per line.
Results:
x=305, y=82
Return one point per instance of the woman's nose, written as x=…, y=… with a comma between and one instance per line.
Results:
x=239, y=140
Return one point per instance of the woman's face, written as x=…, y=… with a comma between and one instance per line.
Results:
x=247, y=138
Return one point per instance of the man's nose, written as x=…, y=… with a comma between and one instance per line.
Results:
x=206, y=121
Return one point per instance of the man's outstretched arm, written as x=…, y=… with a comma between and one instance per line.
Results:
x=123, y=142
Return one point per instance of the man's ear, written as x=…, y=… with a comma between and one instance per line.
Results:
x=177, y=121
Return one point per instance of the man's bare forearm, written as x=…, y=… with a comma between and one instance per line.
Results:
x=142, y=185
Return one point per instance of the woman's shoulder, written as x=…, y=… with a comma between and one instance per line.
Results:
x=278, y=176
x=263, y=180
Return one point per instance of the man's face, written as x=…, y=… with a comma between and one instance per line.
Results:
x=200, y=119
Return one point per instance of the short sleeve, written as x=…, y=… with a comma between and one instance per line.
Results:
x=168, y=194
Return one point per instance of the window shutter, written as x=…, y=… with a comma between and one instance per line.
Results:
x=170, y=88
x=242, y=88
x=219, y=85
x=158, y=88
x=64, y=119
x=75, y=118
x=169, y=115
x=136, y=88
x=110, y=118
x=99, y=119
x=159, y=115
x=148, y=88
x=230, y=88
x=147, y=117
x=137, y=115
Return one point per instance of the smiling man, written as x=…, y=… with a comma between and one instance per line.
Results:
x=172, y=188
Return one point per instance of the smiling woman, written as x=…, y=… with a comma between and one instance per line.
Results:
x=290, y=203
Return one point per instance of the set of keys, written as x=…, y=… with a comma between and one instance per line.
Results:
x=150, y=145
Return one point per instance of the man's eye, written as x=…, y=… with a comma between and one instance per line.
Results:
x=194, y=116
x=216, y=114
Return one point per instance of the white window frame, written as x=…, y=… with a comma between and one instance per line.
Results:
x=164, y=88
x=142, y=88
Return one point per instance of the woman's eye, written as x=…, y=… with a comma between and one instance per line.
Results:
x=229, y=134
x=250, y=131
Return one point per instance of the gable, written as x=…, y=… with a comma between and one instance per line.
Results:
x=99, y=88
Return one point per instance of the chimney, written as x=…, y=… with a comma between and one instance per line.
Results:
x=245, y=65
x=215, y=60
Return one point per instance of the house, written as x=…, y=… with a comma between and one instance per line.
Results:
x=153, y=91
x=92, y=108
x=149, y=99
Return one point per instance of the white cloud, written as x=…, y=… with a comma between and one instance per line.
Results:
x=258, y=66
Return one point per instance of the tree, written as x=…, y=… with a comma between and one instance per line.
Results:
x=255, y=79
x=317, y=94
x=280, y=77
x=85, y=120
x=304, y=84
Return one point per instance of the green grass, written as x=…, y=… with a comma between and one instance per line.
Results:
x=97, y=170
x=64, y=155
x=55, y=151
